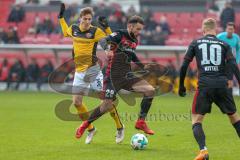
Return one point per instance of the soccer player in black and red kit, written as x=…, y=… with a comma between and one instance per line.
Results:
x=118, y=74
x=212, y=57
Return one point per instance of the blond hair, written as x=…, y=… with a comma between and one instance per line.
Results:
x=86, y=10
x=209, y=24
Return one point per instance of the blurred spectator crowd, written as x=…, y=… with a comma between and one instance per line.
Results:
x=155, y=33
x=163, y=78
x=161, y=28
x=16, y=73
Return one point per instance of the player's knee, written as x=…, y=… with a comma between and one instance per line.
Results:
x=77, y=101
x=234, y=117
x=107, y=105
x=150, y=91
x=197, y=118
x=196, y=122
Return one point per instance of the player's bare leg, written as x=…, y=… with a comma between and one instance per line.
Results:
x=114, y=114
x=199, y=136
x=148, y=91
x=235, y=120
x=197, y=118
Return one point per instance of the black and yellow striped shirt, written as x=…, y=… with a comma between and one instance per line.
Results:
x=84, y=43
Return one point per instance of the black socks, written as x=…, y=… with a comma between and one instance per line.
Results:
x=237, y=127
x=199, y=135
x=145, y=106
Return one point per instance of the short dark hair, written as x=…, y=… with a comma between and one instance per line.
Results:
x=85, y=11
x=231, y=24
x=135, y=19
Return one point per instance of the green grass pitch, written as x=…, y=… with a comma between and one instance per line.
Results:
x=30, y=130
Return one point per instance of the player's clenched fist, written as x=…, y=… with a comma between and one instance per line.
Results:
x=62, y=10
x=103, y=22
x=182, y=91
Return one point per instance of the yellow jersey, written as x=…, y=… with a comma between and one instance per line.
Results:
x=84, y=43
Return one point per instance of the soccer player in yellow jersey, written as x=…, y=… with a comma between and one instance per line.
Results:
x=87, y=73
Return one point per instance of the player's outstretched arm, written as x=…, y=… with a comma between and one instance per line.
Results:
x=187, y=60
x=136, y=60
x=183, y=71
x=104, y=43
x=238, y=51
x=62, y=21
x=232, y=63
x=234, y=67
x=113, y=39
x=62, y=10
x=103, y=23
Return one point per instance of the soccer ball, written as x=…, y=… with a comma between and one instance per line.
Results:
x=139, y=141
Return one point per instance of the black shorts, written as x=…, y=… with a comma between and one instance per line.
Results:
x=204, y=98
x=112, y=86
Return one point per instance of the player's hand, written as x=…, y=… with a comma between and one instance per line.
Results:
x=230, y=84
x=102, y=22
x=62, y=10
x=182, y=91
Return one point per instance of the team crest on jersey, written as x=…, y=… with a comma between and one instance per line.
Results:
x=88, y=35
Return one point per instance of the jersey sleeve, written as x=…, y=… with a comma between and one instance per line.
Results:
x=108, y=30
x=112, y=39
x=238, y=44
x=190, y=52
x=231, y=65
x=219, y=36
x=136, y=60
x=238, y=50
x=67, y=31
x=229, y=55
x=99, y=35
x=187, y=60
x=115, y=37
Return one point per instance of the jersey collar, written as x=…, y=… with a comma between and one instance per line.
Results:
x=210, y=35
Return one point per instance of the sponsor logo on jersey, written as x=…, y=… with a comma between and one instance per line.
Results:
x=74, y=33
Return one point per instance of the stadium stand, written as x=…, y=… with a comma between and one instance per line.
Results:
x=181, y=25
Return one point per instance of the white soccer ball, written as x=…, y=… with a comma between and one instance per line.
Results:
x=139, y=141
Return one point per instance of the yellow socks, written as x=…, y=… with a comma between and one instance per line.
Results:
x=83, y=114
x=115, y=116
x=81, y=110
